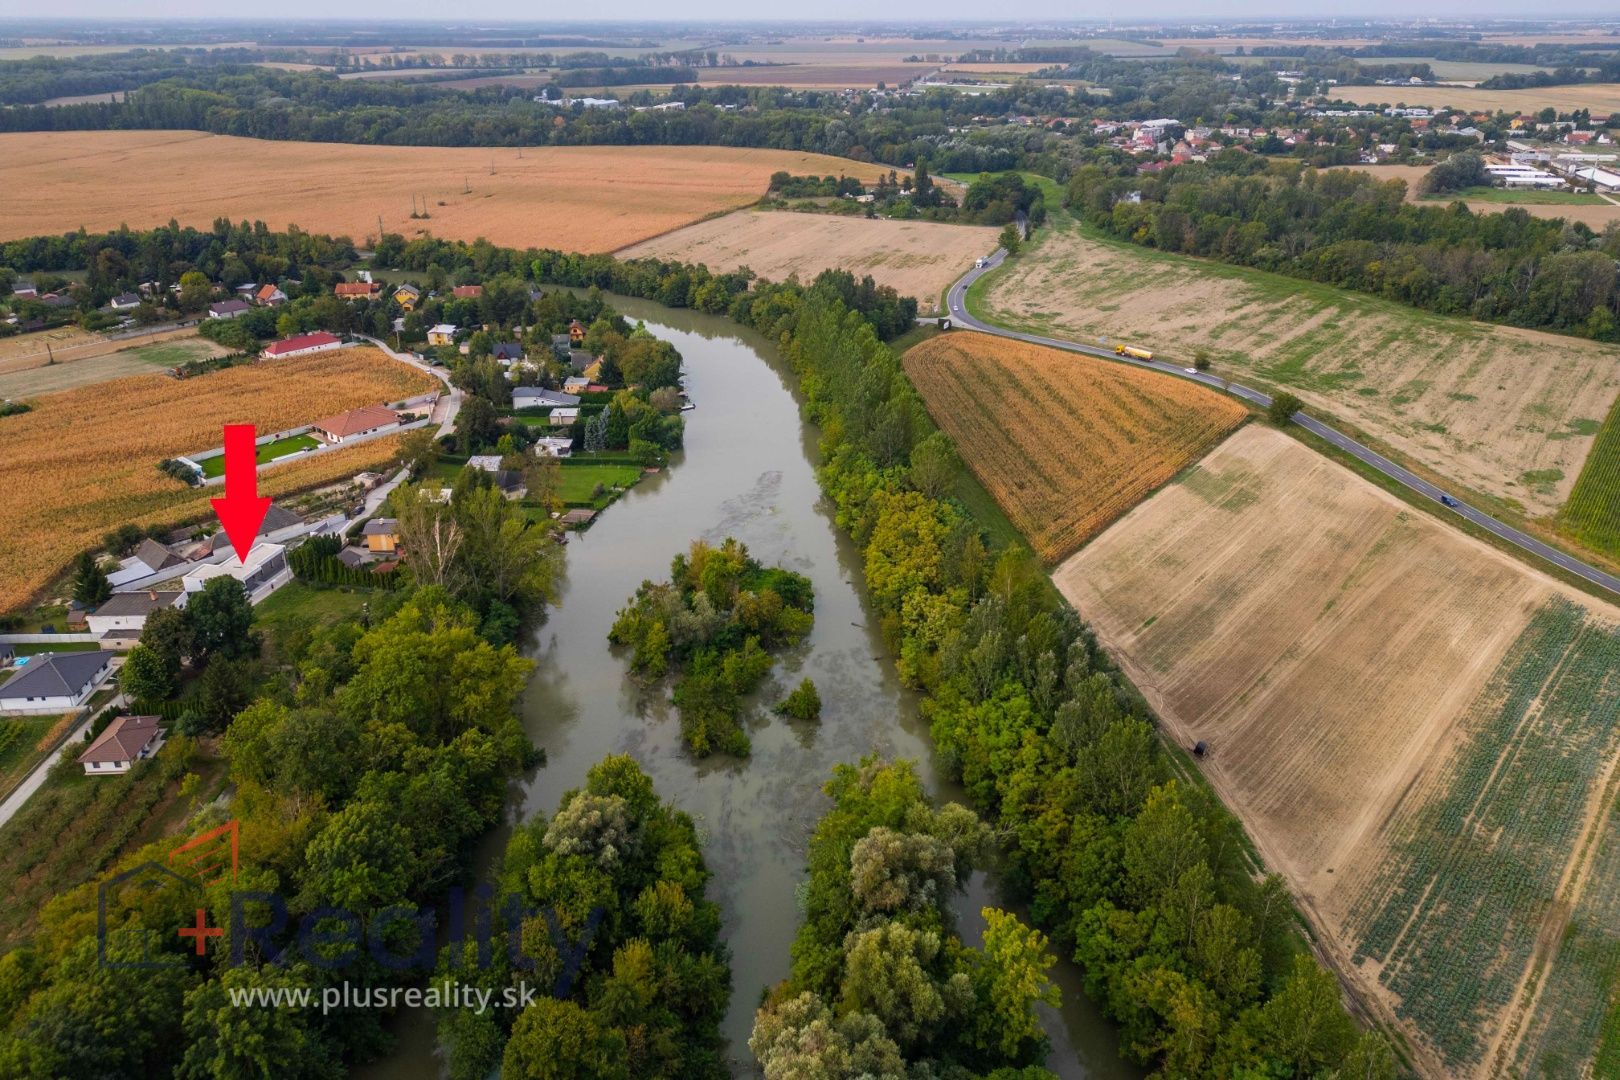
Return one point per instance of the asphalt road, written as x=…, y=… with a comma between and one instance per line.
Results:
x=956, y=303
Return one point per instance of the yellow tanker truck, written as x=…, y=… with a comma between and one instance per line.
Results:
x=1133, y=352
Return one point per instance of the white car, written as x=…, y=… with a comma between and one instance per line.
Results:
x=1190, y=370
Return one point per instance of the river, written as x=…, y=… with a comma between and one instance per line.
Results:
x=748, y=471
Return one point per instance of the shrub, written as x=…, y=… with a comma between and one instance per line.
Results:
x=803, y=704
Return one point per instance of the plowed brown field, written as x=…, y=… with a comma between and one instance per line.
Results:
x=1064, y=443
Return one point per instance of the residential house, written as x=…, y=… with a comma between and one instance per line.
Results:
x=507, y=352
x=490, y=463
x=580, y=361
x=55, y=682
x=264, y=571
x=127, y=611
x=357, y=290
x=24, y=292
x=442, y=334
x=467, y=292
x=126, y=740
x=554, y=446
x=407, y=296
x=536, y=397
x=576, y=333
x=354, y=424
x=279, y=524
x=382, y=535
x=301, y=345
x=560, y=344
x=229, y=309
x=269, y=296
x=575, y=384
x=353, y=558
x=125, y=302
x=564, y=417
x=150, y=557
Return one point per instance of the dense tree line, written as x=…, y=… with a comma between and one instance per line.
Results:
x=1351, y=230
x=624, y=944
x=362, y=774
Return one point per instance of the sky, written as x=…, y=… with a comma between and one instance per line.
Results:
x=927, y=12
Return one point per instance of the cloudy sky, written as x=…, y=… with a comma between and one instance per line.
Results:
x=925, y=11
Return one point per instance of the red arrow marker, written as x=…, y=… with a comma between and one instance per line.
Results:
x=242, y=509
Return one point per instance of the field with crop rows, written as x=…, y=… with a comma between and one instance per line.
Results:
x=1592, y=514
x=1416, y=729
x=83, y=461
x=1453, y=917
x=576, y=198
x=1515, y=420
x=1064, y=443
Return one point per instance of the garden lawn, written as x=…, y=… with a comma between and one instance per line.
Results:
x=579, y=481
x=270, y=451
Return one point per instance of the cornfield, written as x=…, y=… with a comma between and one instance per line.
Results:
x=1592, y=514
x=85, y=461
x=1064, y=443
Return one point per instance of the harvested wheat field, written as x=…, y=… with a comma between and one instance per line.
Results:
x=83, y=461
x=1064, y=443
x=918, y=258
x=578, y=198
x=1598, y=97
x=52, y=360
x=1508, y=412
x=1419, y=732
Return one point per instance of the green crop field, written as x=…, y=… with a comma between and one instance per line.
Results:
x=1455, y=914
x=1521, y=197
x=1592, y=514
x=270, y=451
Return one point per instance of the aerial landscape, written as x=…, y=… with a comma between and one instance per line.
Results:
x=932, y=544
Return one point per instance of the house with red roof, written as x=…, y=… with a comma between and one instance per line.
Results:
x=269, y=296
x=358, y=290
x=301, y=345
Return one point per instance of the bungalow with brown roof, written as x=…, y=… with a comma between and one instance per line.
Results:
x=126, y=740
x=357, y=290
x=382, y=535
x=301, y=345
x=269, y=296
x=354, y=424
x=468, y=292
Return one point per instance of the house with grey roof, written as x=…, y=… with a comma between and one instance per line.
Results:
x=125, y=741
x=55, y=682
x=536, y=397
x=149, y=558
x=279, y=524
x=127, y=611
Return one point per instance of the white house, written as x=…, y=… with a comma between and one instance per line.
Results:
x=229, y=309
x=149, y=558
x=55, y=682
x=535, y=397
x=127, y=611
x=263, y=573
x=301, y=345
x=354, y=424
x=489, y=463
x=563, y=417
x=128, y=739
x=554, y=446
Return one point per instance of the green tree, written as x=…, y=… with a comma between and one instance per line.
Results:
x=145, y=675
x=221, y=620
x=225, y=1042
x=1201, y=358
x=90, y=585
x=168, y=633
x=1011, y=980
x=934, y=466
x=1282, y=408
x=804, y=703
x=558, y=1040
x=1010, y=238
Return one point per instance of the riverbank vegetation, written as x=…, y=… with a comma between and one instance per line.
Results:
x=714, y=625
x=402, y=716
x=630, y=974
x=881, y=983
